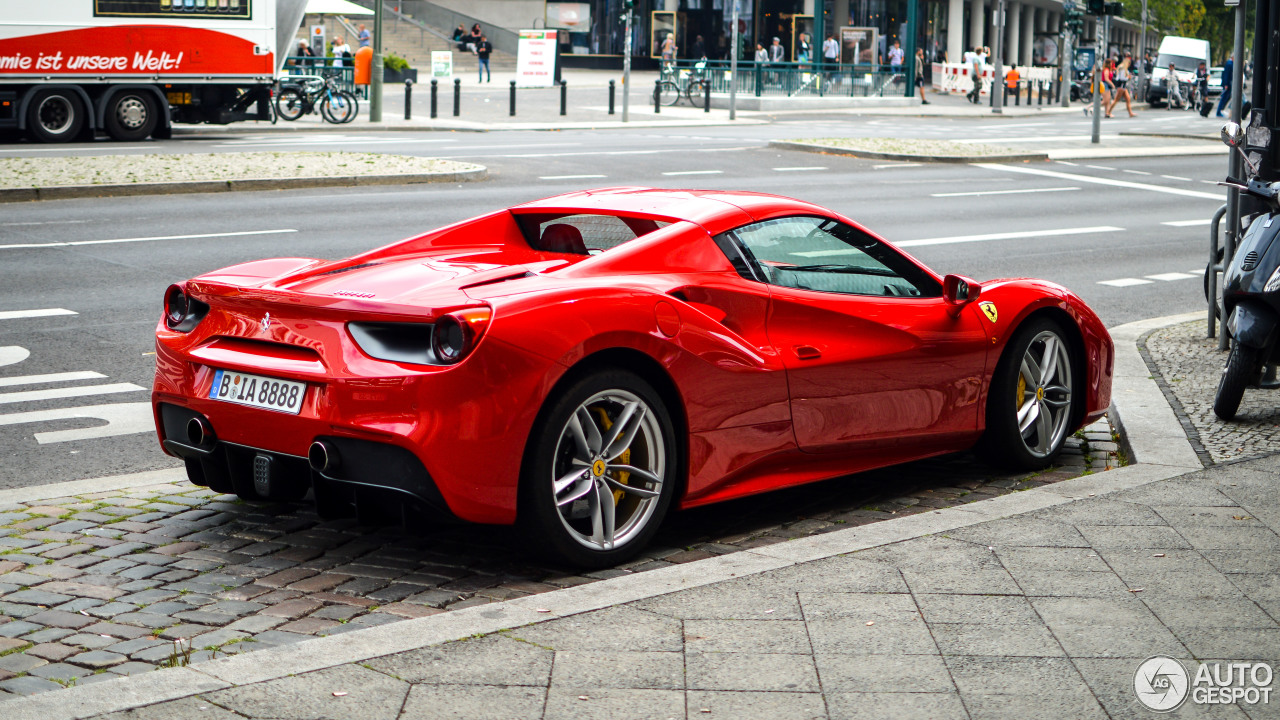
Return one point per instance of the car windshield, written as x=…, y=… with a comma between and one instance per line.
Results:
x=582, y=233
x=1180, y=62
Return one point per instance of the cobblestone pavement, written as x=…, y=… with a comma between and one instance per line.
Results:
x=1188, y=366
x=1047, y=614
x=117, y=583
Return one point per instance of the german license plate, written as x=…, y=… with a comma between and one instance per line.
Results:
x=258, y=391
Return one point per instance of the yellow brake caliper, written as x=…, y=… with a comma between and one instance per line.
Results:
x=1022, y=392
x=625, y=456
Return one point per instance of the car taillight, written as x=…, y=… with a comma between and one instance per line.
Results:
x=456, y=334
x=182, y=312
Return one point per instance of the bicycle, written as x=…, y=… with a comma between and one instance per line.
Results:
x=301, y=94
x=695, y=86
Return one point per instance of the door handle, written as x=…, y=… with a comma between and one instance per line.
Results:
x=807, y=352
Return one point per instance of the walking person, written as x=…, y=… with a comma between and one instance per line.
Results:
x=920, y=74
x=1107, y=85
x=1121, y=82
x=831, y=54
x=975, y=62
x=341, y=51
x=1227, y=69
x=483, y=49
x=1202, y=89
x=669, y=52
x=1175, y=89
x=364, y=38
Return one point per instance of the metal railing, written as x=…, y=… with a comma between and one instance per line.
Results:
x=795, y=79
x=343, y=74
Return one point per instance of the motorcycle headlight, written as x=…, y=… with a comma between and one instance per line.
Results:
x=1273, y=282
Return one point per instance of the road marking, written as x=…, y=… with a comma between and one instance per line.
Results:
x=56, y=393
x=1099, y=167
x=799, y=169
x=895, y=165
x=137, y=240
x=46, y=312
x=1209, y=182
x=1004, y=192
x=49, y=378
x=1175, y=177
x=1136, y=172
x=1169, y=277
x=1009, y=236
x=569, y=177
x=1064, y=162
x=122, y=419
x=1188, y=223
x=1125, y=282
x=1101, y=181
x=695, y=172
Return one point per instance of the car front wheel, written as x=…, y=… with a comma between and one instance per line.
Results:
x=600, y=472
x=1032, y=400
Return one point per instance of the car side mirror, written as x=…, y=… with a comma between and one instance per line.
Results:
x=1232, y=134
x=959, y=290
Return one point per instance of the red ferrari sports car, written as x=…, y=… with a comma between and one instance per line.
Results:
x=579, y=364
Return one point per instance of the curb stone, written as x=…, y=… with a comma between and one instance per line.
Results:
x=65, y=192
x=1159, y=460
x=877, y=155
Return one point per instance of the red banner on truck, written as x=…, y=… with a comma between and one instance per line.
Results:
x=134, y=50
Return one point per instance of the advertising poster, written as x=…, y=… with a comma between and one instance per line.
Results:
x=858, y=45
x=536, y=58
x=441, y=64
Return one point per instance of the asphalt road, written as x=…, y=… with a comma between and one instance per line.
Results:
x=1127, y=235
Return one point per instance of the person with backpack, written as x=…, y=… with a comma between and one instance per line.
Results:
x=341, y=52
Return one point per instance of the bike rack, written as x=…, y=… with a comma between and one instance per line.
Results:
x=1214, y=268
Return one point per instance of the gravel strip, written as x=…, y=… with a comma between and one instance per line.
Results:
x=907, y=146
x=45, y=172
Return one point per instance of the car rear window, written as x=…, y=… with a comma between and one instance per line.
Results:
x=582, y=234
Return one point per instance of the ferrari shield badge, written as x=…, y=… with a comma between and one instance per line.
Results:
x=989, y=309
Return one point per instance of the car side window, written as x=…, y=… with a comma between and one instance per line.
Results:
x=821, y=254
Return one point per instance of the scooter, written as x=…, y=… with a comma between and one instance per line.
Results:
x=1251, y=291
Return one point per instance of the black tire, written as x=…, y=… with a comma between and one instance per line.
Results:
x=291, y=104
x=131, y=115
x=698, y=94
x=1241, y=371
x=55, y=116
x=669, y=94
x=1208, y=268
x=1003, y=443
x=569, y=534
x=339, y=108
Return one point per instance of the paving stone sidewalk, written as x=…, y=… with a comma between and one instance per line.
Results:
x=120, y=583
x=1188, y=365
x=1042, y=614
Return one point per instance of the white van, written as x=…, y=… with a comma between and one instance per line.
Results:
x=1186, y=54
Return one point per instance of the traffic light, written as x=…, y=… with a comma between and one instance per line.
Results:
x=1115, y=8
x=1096, y=7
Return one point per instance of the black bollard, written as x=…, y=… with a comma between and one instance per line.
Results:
x=513, y=98
x=564, y=96
x=435, y=91
x=457, y=97
x=706, y=99
x=657, y=97
x=613, y=89
x=408, y=99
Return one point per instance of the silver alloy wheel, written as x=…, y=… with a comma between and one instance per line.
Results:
x=131, y=112
x=1044, y=394
x=55, y=114
x=608, y=470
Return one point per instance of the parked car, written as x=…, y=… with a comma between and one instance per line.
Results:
x=1215, y=81
x=582, y=364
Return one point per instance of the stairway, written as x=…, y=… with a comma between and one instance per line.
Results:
x=416, y=46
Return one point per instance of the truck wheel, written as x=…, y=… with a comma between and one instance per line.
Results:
x=131, y=115
x=55, y=116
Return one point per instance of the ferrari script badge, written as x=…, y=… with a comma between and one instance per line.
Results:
x=989, y=309
x=266, y=322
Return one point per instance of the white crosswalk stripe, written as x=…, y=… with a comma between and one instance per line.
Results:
x=1125, y=282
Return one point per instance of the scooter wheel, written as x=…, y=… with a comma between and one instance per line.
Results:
x=1241, y=370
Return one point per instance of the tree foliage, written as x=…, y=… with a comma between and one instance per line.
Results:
x=1208, y=20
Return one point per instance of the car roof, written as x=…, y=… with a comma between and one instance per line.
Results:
x=1184, y=46
x=710, y=208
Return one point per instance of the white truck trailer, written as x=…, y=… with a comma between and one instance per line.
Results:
x=131, y=68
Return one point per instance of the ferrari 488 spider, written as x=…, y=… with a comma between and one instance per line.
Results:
x=580, y=364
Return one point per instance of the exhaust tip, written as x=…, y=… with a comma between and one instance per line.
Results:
x=198, y=432
x=322, y=456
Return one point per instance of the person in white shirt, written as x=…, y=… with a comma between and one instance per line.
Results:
x=830, y=54
x=340, y=50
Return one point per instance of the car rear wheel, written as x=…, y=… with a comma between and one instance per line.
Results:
x=1032, y=401
x=600, y=472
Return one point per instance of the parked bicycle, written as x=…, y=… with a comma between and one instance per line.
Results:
x=692, y=86
x=300, y=95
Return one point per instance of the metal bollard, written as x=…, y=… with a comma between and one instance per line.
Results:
x=435, y=92
x=657, y=97
x=513, y=98
x=706, y=100
x=613, y=89
x=457, y=97
x=564, y=97
x=408, y=99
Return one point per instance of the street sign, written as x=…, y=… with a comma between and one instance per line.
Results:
x=536, y=58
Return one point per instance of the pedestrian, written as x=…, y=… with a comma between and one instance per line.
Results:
x=1011, y=78
x=975, y=62
x=1148, y=65
x=1202, y=89
x=483, y=49
x=364, y=38
x=668, y=52
x=1175, y=89
x=804, y=51
x=474, y=37
x=895, y=57
x=920, y=74
x=831, y=54
x=762, y=55
x=305, y=53
x=1121, y=82
x=1108, y=85
x=460, y=36
x=699, y=48
x=1227, y=69
x=341, y=51
x=776, y=53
